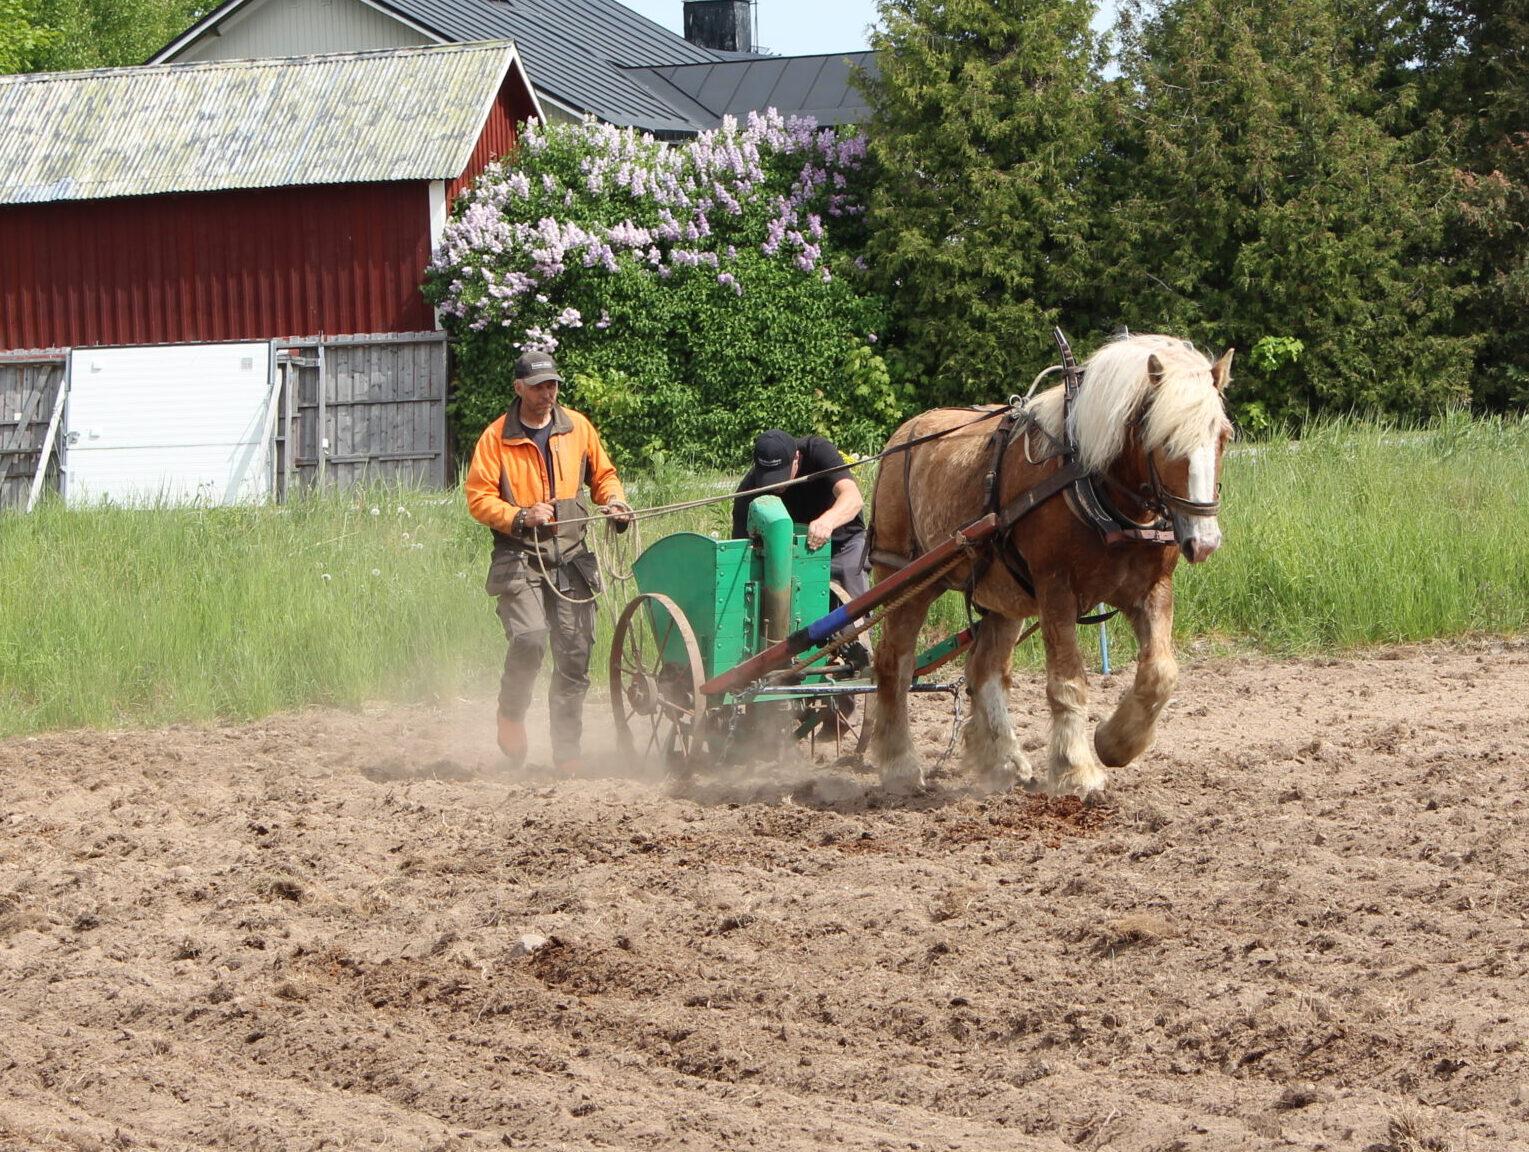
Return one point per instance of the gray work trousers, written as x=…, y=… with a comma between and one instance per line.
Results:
x=532, y=612
x=847, y=567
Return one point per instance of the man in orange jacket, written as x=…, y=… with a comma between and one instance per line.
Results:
x=526, y=483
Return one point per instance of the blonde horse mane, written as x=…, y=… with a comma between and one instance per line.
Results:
x=1185, y=411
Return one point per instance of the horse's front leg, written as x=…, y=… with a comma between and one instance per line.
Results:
x=891, y=748
x=1072, y=768
x=1129, y=731
x=992, y=754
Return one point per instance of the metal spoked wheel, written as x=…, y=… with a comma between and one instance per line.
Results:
x=656, y=678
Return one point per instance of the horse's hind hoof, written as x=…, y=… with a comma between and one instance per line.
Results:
x=997, y=781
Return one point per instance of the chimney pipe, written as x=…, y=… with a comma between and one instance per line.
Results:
x=722, y=25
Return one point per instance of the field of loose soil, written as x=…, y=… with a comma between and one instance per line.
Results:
x=1300, y=921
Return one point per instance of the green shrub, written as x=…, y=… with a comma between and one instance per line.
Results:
x=694, y=294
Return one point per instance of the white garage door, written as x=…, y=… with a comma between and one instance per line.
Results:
x=169, y=424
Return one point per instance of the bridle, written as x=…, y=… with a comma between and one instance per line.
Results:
x=1093, y=507
x=1167, y=503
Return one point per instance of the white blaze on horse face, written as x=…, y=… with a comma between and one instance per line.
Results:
x=1199, y=536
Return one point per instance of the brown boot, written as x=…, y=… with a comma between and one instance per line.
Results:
x=569, y=768
x=512, y=740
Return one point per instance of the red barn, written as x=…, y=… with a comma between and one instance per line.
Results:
x=290, y=202
x=240, y=199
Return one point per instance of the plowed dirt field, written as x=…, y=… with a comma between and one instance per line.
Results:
x=1300, y=921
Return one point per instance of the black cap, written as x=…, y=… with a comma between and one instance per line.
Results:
x=534, y=367
x=774, y=451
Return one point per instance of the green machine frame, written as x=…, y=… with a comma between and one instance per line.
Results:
x=739, y=596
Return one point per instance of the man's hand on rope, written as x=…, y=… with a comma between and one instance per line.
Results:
x=534, y=517
x=620, y=513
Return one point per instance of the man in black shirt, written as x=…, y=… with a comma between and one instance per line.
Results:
x=829, y=503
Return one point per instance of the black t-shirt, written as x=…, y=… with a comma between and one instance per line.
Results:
x=805, y=501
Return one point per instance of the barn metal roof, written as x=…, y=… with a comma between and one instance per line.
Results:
x=816, y=86
x=401, y=114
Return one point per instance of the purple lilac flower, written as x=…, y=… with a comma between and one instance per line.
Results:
x=495, y=264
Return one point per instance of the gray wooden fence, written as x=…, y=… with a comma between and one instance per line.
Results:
x=354, y=409
x=361, y=409
x=29, y=388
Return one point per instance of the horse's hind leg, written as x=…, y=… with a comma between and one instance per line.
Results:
x=892, y=748
x=1129, y=731
x=1072, y=768
x=992, y=753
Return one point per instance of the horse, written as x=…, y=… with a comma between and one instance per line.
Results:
x=1100, y=483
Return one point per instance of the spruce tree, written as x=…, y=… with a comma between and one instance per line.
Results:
x=984, y=121
x=1470, y=61
x=1259, y=200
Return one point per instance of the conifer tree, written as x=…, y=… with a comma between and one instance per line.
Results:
x=1470, y=60
x=1259, y=200
x=984, y=121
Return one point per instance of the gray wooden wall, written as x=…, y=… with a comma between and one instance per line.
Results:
x=354, y=410
x=29, y=384
x=363, y=409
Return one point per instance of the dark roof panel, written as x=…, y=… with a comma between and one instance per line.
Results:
x=577, y=52
x=816, y=86
x=601, y=58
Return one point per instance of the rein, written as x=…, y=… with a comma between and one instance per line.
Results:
x=663, y=509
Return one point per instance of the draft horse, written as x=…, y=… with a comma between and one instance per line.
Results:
x=1100, y=484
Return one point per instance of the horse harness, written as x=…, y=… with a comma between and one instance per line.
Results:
x=1085, y=492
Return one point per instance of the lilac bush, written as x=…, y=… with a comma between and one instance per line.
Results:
x=693, y=292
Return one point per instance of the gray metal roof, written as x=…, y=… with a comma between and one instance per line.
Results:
x=402, y=114
x=587, y=55
x=575, y=51
x=816, y=86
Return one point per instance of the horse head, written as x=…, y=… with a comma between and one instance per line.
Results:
x=1187, y=487
x=1150, y=417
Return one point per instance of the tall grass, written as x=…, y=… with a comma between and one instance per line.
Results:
x=1356, y=533
x=1361, y=533
x=116, y=616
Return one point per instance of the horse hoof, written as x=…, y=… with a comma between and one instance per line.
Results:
x=1024, y=772
x=996, y=783
x=1117, y=753
x=1082, y=783
x=1014, y=772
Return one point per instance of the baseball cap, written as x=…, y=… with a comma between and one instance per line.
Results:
x=535, y=367
x=773, y=453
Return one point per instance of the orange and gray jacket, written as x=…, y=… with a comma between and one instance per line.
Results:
x=508, y=475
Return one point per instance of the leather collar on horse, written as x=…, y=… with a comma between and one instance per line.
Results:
x=1087, y=493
